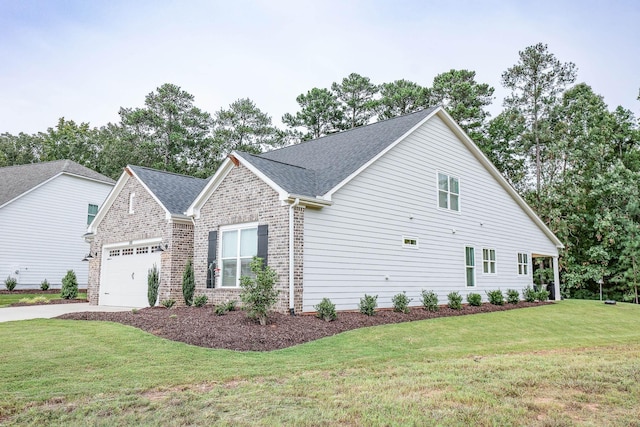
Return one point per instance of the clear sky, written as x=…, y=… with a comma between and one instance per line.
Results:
x=83, y=60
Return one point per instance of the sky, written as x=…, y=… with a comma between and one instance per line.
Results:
x=84, y=60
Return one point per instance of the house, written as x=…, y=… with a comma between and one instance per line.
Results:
x=44, y=211
x=401, y=205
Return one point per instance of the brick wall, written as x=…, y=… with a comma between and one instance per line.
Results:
x=242, y=197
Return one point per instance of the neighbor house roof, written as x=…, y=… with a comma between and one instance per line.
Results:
x=174, y=191
x=20, y=179
x=314, y=167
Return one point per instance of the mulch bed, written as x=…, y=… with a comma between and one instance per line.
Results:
x=234, y=331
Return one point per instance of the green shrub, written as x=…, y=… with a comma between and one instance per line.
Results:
x=168, y=303
x=259, y=295
x=401, y=303
x=542, y=295
x=69, y=286
x=455, y=300
x=153, y=282
x=368, y=304
x=326, y=310
x=496, y=297
x=513, y=296
x=44, y=285
x=188, y=283
x=200, y=300
x=474, y=299
x=529, y=294
x=430, y=300
x=231, y=305
x=134, y=311
x=223, y=308
x=10, y=283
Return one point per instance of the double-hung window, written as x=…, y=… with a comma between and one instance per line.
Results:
x=523, y=264
x=448, y=192
x=92, y=211
x=489, y=261
x=470, y=265
x=239, y=245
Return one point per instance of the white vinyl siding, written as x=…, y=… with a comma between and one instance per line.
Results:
x=470, y=266
x=488, y=261
x=237, y=248
x=523, y=264
x=351, y=248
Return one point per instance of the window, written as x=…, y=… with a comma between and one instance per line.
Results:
x=489, y=261
x=142, y=250
x=114, y=252
x=238, y=247
x=409, y=242
x=128, y=251
x=470, y=265
x=523, y=264
x=132, y=197
x=91, y=213
x=448, y=192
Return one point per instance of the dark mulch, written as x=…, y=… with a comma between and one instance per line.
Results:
x=234, y=331
x=51, y=301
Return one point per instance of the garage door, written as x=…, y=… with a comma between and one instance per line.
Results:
x=123, y=279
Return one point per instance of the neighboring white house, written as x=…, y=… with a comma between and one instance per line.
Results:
x=44, y=212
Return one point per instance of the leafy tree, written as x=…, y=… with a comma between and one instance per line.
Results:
x=463, y=98
x=503, y=146
x=319, y=115
x=401, y=97
x=69, y=140
x=172, y=131
x=536, y=81
x=356, y=94
x=20, y=149
x=245, y=127
x=259, y=293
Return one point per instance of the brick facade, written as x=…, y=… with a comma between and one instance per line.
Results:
x=241, y=198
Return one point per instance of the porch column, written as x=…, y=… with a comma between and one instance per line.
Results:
x=556, y=278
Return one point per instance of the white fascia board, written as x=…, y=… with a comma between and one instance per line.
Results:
x=167, y=214
x=113, y=194
x=475, y=150
x=329, y=194
x=32, y=189
x=207, y=191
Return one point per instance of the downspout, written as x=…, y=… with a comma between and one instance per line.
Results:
x=291, y=257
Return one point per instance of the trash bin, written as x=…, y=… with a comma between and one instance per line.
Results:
x=552, y=292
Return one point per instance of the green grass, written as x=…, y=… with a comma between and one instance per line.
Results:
x=8, y=299
x=575, y=362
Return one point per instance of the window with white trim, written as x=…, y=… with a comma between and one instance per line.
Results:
x=489, y=261
x=470, y=265
x=238, y=246
x=132, y=197
x=448, y=192
x=92, y=211
x=523, y=263
x=409, y=242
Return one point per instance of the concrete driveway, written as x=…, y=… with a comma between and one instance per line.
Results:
x=47, y=311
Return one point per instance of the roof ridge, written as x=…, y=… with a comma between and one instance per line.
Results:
x=168, y=173
x=276, y=161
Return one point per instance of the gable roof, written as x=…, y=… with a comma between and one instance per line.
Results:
x=174, y=191
x=313, y=168
x=20, y=179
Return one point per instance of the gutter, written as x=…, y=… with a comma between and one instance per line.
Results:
x=291, y=257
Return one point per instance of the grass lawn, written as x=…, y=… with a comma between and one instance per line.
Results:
x=8, y=299
x=574, y=362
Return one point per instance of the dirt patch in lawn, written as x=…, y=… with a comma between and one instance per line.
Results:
x=234, y=331
x=48, y=302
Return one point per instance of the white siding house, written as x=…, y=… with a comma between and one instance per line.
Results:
x=44, y=211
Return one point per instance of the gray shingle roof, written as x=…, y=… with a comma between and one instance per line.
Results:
x=312, y=168
x=16, y=180
x=175, y=192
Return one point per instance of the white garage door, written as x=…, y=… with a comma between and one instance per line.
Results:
x=123, y=278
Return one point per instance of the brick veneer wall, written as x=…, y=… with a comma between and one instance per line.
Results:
x=148, y=221
x=242, y=197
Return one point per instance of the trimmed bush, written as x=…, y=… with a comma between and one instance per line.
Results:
x=231, y=305
x=529, y=294
x=69, y=286
x=259, y=295
x=10, y=283
x=542, y=295
x=153, y=282
x=326, y=310
x=401, y=303
x=496, y=297
x=455, y=300
x=44, y=285
x=220, y=310
x=368, y=305
x=474, y=299
x=167, y=303
x=429, y=300
x=200, y=300
x=188, y=283
x=513, y=296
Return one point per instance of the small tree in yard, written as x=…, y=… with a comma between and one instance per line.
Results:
x=69, y=286
x=188, y=283
x=258, y=294
x=153, y=281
